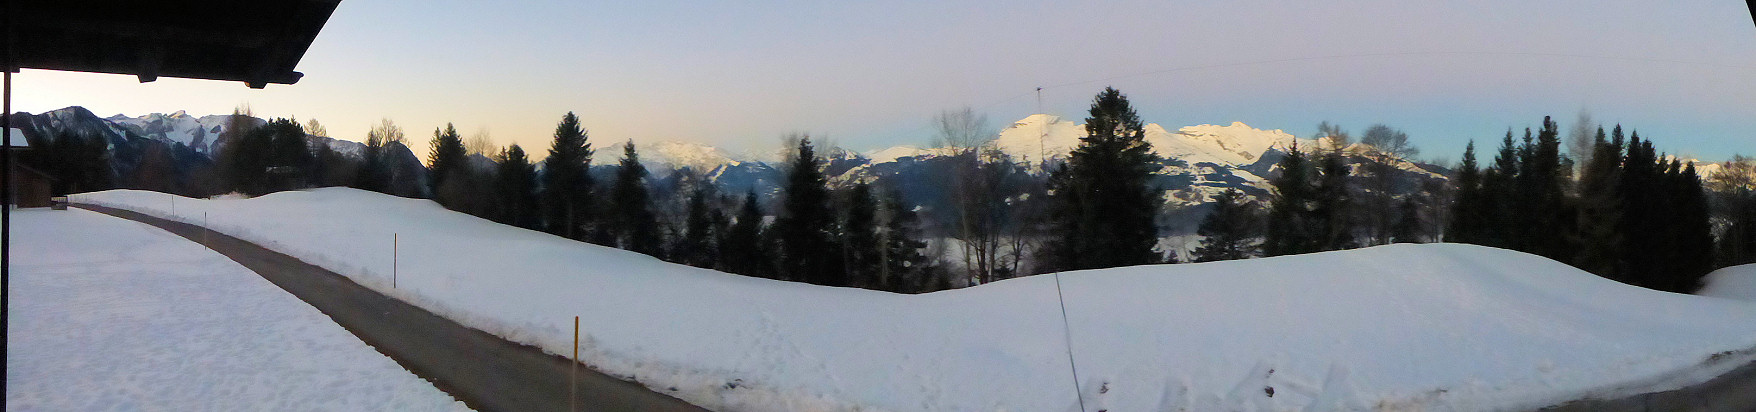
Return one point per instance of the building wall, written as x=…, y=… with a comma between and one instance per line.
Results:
x=29, y=187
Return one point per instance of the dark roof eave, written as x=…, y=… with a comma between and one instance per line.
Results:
x=257, y=42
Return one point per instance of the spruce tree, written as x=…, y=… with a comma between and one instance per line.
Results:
x=1332, y=206
x=516, y=188
x=1499, y=189
x=1290, y=230
x=860, y=245
x=1469, y=213
x=1106, y=206
x=1694, y=239
x=567, y=183
x=246, y=158
x=1408, y=222
x=292, y=153
x=696, y=246
x=635, y=226
x=1229, y=232
x=1546, y=220
x=804, y=231
x=904, y=266
x=445, y=159
x=1600, y=209
x=1642, y=213
x=743, y=250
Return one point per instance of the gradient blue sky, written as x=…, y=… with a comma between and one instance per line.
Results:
x=871, y=74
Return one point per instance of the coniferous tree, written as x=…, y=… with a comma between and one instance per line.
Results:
x=1106, y=209
x=743, y=250
x=905, y=267
x=1694, y=234
x=635, y=225
x=1332, y=206
x=1408, y=223
x=376, y=171
x=696, y=246
x=1290, y=229
x=77, y=163
x=445, y=159
x=1546, y=220
x=567, y=183
x=246, y=158
x=516, y=184
x=1600, y=209
x=290, y=155
x=330, y=168
x=1641, y=212
x=860, y=244
x=1499, y=189
x=1230, y=231
x=1469, y=213
x=804, y=232
x=269, y=158
x=371, y=175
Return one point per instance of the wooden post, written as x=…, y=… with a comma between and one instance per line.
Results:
x=393, y=246
x=573, y=370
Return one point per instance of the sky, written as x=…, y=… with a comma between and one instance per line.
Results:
x=872, y=74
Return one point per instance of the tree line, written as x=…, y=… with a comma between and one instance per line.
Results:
x=1631, y=214
x=1615, y=207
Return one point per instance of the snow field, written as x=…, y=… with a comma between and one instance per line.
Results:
x=1403, y=327
x=1736, y=282
x=109, y=314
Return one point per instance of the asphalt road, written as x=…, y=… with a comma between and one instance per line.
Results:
x=484, y=371
x=1733, y=391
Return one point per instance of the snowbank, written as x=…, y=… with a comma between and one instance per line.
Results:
x=1736, y=282
x=1395, y=327
x=108, y=314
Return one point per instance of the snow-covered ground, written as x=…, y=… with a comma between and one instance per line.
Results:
x=109, y=314
x=1403, y=327
x=1736, y=282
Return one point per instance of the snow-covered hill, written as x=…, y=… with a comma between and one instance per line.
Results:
x=1736, y=282
x=1401, y=327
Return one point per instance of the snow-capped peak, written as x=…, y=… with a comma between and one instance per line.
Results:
x=1237, y=144
x=1038, y=136
x=697, y=156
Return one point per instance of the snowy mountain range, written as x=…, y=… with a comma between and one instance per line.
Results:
x=201, y=134
x=1198, y=163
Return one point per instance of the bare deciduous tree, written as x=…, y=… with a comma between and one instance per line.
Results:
x=480, y=144
x=979, y=176
x=1388, y=147
x=312, y=127
x=1582, y=139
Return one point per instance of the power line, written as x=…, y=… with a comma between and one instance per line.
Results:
x=1746, y=70
x=1038, y=90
